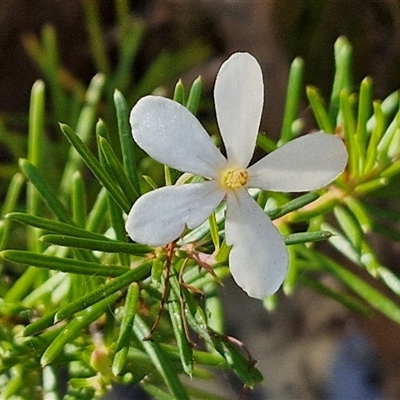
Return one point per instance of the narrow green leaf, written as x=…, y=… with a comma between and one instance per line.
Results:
x=160, y=360
x=133, y=275
x=155, y=391
x=62, y=264
x=116, y=214
x=36, y=124
x=318, y=107
x=223, y=252
x=179, y=93
x=214, y=309
x=343, y=244
x=265, y=143
x=347, y=114
x=324, y=205
x=262, y=198
x=214, y=230
x=392, y=170
x=391, y=280
x=394, y=147
x=386, y=140
x=193, y=100
x=101, y=174
x=242, y=366
x=350, y=226
x=40, y=324
x=292, y=275
x=306, y=237
x=293, y=205
x=293, y=92
x=125, y=330
x=9, y=205
x=47, y=193
x=343, y=74
x=178, y=326
x=364, y=113
x=377, y=132
x=74, y=328
x=388, y=106
x=99, y=213
x=54, y=226
x=118, y=171
x=78, y=199
x=371, y=186
x=105, y=245
x=128, y=146
x=200, y=356
x=361, y=214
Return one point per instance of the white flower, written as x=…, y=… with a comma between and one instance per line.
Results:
x=170, y=134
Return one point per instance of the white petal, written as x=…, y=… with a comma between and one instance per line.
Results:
x=258, y=259
x=160, y=216
x=306, y=163
x=239, y=97
x=172, y=135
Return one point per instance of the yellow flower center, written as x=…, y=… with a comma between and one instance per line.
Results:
x=233, y=178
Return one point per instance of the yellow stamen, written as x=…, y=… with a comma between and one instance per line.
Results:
x=233, y=178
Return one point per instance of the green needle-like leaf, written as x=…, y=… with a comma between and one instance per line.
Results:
x=160, y=360
x=118, y=170
x=128, y=147
x=9, y=205
x=47, y=193
x=125, y=332
x=104, y=245
x=73, y=328
x=305, y=237
x=179, y=93
x=319, y=110
x=377, y=132
x=347, y=114
x=40, y=324
x=214, y=230
x=133, y=275
x=293, y=205
x=265, y=143
x=62, y=264
x=293, y=93
x=54, y=226
x=360, y=213
x=364, y=113
x=343, y=74
x=101, y=174
x=178, y=326
x=193, y=100
x=350, y=226
x=78, y=199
